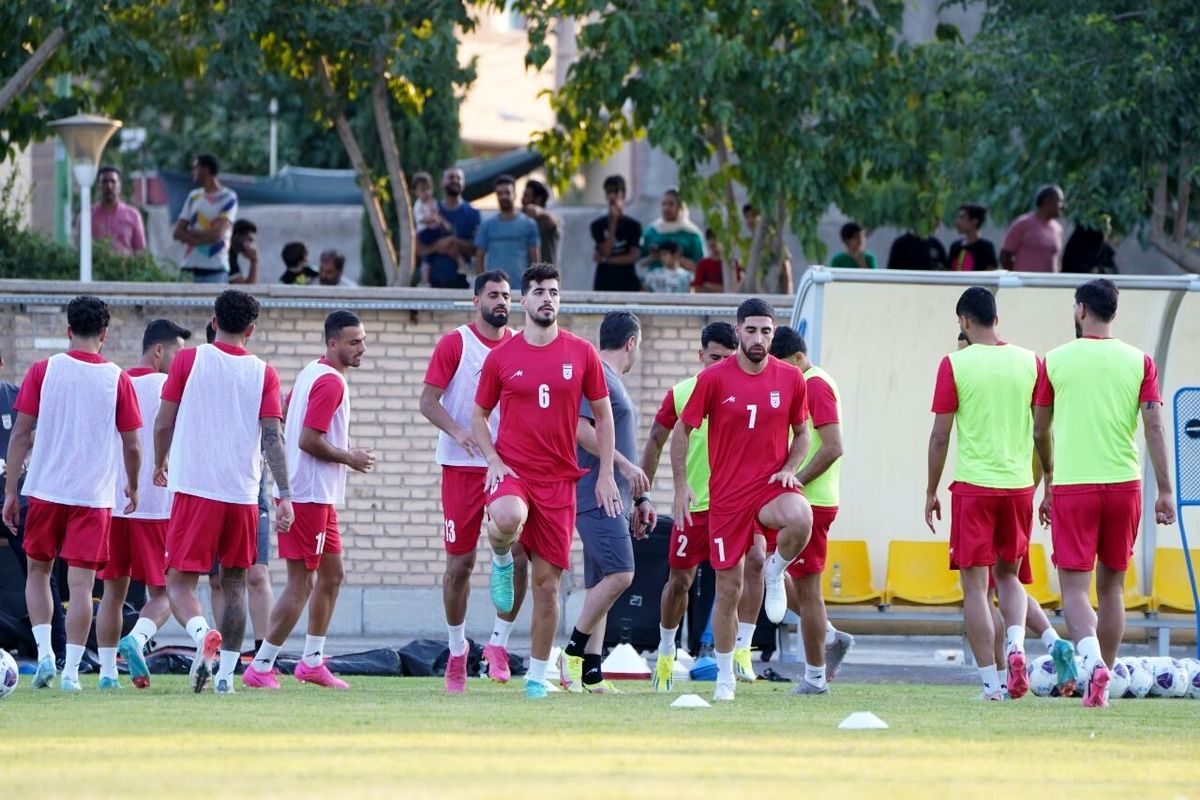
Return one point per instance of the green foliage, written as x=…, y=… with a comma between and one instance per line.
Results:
x=25, y=253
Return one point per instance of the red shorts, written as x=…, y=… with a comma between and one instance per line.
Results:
x=1024, y=574
x=731, y=534
x=689, y=546
x=811, y=560
x=314, y=532
x=76, y=534
x=202, y=529
x=986, y=527
x=550, y=525
x=1096, y=520
x=137, y=548
x=462, y=508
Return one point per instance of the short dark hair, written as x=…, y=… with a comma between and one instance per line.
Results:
x=294, y=253
x=787, y=342
x=747, y=208
x=541, y=194
x=502, y=180
x=538, y=273
x=975, y=211
x=614, y=183
x=235, y=311
x=1044, y=193
x=850, y=230
x=422, y=177
x=754, y=307
x=617, y=328
x=709, y=233
x=108, y=168
x=87, y=315
x=720, y=332
x=244, y=226
x=668, y=247
x=494, y=276
x=339, y=320
x=162, y=331
x=209, y=162
x=339, y=260
x=978, y=305
x=210, y=333
x=672, y=191
x=1099, y=297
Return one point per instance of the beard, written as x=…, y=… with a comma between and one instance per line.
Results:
x=506, y=206
x=755, y=356
x=452, y=190
x=545, y=322
x=497, y=319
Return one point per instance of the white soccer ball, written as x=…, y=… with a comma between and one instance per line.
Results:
x=1170, y=677
x=1192, y=667
x=1118, y=679
x=8, y=674
x=1043, y=680
x=1140, y=678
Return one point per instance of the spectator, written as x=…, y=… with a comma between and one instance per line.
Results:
x=242, y=244
x=670, y=276
x=118, y=223
x=771, y=257
x=295, y=258
x=1088, y=250
x=507, y=241
x=675, y=225
x=332, y=265
x=431, y=225
x=453, y=247
x=205, y=225
x=617, y=239
x=710, y=270
x=857, y=256
x=1034, y=242
x=972, y=253
x=911, y=251
x=534, y=199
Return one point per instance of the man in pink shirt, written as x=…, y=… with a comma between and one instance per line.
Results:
x=117, y=222
x=1035, y=240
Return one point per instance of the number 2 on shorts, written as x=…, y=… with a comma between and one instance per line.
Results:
x=682, y=551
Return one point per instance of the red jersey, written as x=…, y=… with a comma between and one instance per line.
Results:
x=666, y=415
x=539, y=390
x=181, y=369
x=29, y=398
x=749, y=417
x=447, y=354
x=822, y=403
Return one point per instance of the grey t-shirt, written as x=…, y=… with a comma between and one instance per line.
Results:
x=626, y=422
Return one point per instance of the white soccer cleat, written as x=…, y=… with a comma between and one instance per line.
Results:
x=724, y=691
x=775, y=603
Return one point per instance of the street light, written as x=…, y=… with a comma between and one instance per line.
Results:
x=273, y=110
x=85, y=136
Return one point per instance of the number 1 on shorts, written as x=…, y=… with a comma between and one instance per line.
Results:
x=720, y=543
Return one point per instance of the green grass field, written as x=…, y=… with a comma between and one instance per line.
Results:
x=406, y=738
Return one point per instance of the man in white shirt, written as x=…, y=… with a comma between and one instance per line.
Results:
x=205, y=225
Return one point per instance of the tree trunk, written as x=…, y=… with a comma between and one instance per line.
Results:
x=17, y=83
x=728, y=270
x=402, y=199
x=779, y=275
x=750, y=282
x=1183, y=196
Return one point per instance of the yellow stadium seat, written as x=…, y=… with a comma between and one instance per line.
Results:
x=1134, y=599
x=1040, y=589
x=1170, y=588
x=850, y=563
x=919, y=572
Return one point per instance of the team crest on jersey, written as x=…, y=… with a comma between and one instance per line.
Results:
x=774, y=399
x=568, y=371
x=6, y=420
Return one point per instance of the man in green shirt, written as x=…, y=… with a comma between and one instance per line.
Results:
x=857, y=256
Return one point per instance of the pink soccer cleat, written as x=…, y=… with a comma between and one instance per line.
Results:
x=1018, y=678
x=253, y=679
x=497, y=661
x=319, y=675
x=1096, y=695
x=456, y=673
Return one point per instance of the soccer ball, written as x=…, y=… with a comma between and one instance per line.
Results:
x=1140, y=678
x=8, y=674
x=1193, y=672
x=1170, y=677
x=1118, y=682
x=1043, y=680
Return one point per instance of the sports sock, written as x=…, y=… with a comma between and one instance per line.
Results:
x=502, y=559
x=537, y=670
x=264, y=659
x=257, y=644
x=108, y=662
x=197, y=628
x=1049, y=637
x=314, y=650
x=593, y=673
x=724, y=667
x=1089, y=648
x=71, y=667
x=41, y=635
x=1003, y=675
x=745, y=635
x=814, y=675
x=666, y=640
x=458, y=639
x=776, y=564
x=500, y=631
x=229, y=662
x=143, y=631
x=990, y=678
x=1015, y=638
x=830, y=633
x=577, y=642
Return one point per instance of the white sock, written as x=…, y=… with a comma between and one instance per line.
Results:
x=71, y=667
x=458, y=639
x=500, y=630
x=724, y=667
x=1049, y=637
x=108, y=662
x=830, y=633
x=814, y=675
x=537, y=670
x=264, y=659
x=143, y=630
x=41, y=635
x=990, y=678
x=666, y=640
x=745, y=635
x=314, y=650
x=502, y=560
x=229, y=662
x=1015, y=638
x=1089, y=648
x=776, y=564
x=1002, y=674
x=197, y=628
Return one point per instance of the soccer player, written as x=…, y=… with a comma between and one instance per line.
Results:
x=317, y=439
x=825, y=647
x=446, y=400
x=689, y=544
x=987, y=389
x=218, y=387
x=750, y=402
x=538, y=380
x=607, y=550
x=138, y=541
x=75, y=399
x=1085, y=421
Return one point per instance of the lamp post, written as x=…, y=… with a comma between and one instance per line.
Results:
x=85, y=136
x=273, y=110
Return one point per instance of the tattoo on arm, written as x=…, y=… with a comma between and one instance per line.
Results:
x=272, y=444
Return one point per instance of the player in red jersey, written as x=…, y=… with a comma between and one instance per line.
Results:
x=75, y=399
x=446, y=400
x=750, y=402
x=538, y=379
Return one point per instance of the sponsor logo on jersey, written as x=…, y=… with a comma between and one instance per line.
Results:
x=568, y=371
x=519, y=373
x=729, y=399
x=774, y=399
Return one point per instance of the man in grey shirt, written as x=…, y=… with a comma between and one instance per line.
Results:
x=607, y=549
